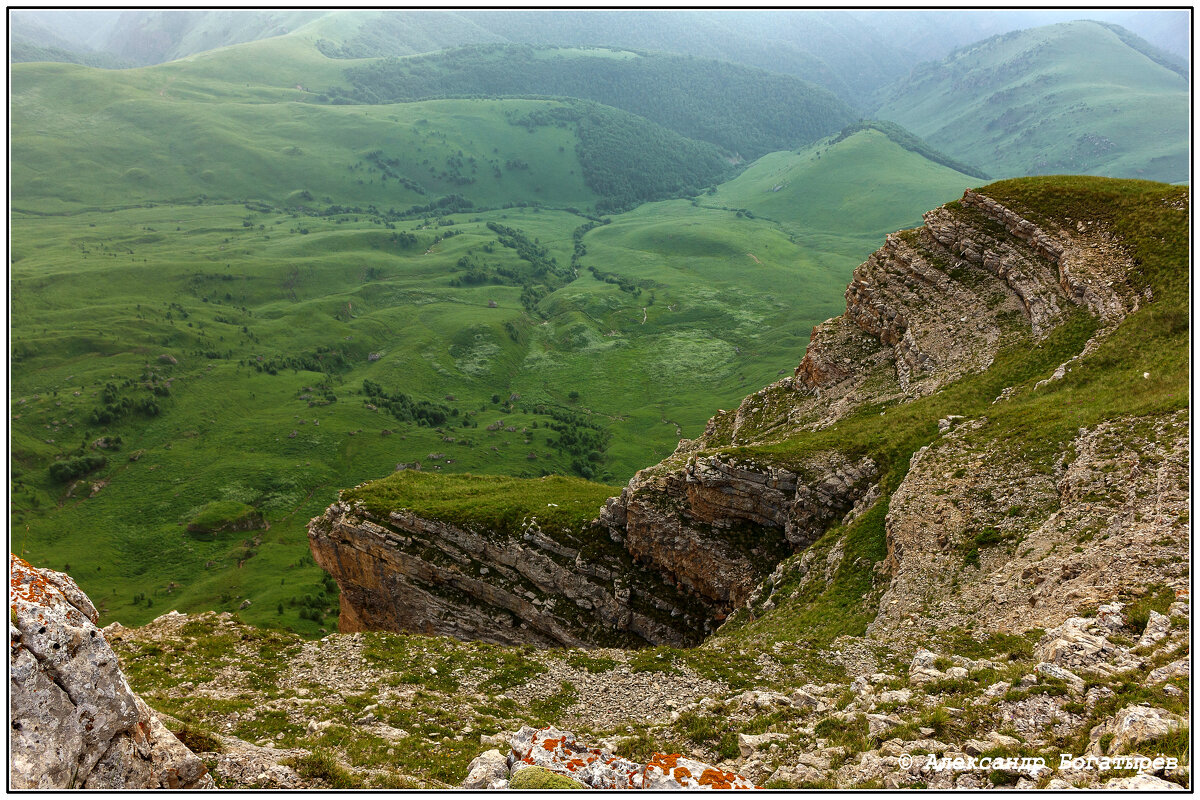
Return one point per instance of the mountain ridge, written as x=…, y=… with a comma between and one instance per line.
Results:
x=1015, y=104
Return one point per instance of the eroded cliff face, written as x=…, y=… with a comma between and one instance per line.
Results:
x=75, y=723
x=718, y=524
x=571, y=588
x=977, y=532
x=934, y=304
x=692, y=537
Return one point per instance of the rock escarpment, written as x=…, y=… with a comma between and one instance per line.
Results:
x=75, y=722
x=934, y=304
x=699, y=532
x=572, y=588
x=718, y=525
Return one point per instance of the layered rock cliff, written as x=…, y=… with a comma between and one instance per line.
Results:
x=698, y=533
x=75, y=723
x=554, y=587
x=935, y=572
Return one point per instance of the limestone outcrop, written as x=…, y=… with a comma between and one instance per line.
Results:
x=975, y=529
x=75, y=723
x=551, y=588
x=933, y=304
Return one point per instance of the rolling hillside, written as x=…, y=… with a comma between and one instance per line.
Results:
x=1078, y=97
x=866, y=177
x=745, y=111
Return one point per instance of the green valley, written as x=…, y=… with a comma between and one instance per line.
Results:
x=268, y=299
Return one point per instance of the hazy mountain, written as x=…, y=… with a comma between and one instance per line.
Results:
x=851, y=53
x=1078, y=97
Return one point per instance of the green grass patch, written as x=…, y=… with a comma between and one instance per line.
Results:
x=225, y=515
x=499, y=504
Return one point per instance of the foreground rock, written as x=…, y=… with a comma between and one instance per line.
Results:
x=555, y=751
x=75, y=723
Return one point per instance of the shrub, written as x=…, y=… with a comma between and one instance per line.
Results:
x=71, y=468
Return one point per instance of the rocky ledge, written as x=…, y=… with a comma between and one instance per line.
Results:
x=75, y=722
x=546, y=587
x=552, y=759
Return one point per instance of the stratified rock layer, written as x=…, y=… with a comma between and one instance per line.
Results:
x=411, y=574
x=75, y=723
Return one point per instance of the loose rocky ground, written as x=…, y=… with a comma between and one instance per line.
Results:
x=389, y=710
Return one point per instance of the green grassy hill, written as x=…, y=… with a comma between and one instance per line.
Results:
x=865, y=177
x=743, y=110
x=189, y=130
x=1069, y=98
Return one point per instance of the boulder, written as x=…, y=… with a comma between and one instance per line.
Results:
x=1133, y=725
x=1176, y=669
x=1143, y=782
x=671, y=771
x=1080, y=644
x=802, y=699
x=901, y=696
x=879, y=724
x=558, y=752
x=922, y=670
x=795, y=777
x=75, y=723
x=748, y=744
x=1073, y=681
x=1157, y=628
x=485, y=769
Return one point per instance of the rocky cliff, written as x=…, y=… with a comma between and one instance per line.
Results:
x=931, y=308
x=548, y=587
x=950, y=549
x=75, y=723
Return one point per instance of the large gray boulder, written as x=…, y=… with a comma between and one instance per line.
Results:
x=75, y=723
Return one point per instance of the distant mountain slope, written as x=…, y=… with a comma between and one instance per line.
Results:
x=852, y=53
x=181, y=131
x=32, y=40
x=1070, y=98
x=865, y=176
x=744, y=110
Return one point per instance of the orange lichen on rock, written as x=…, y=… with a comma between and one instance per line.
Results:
x=716, y=779
x=664, y=761
x=681, y=773
x=25, y=582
